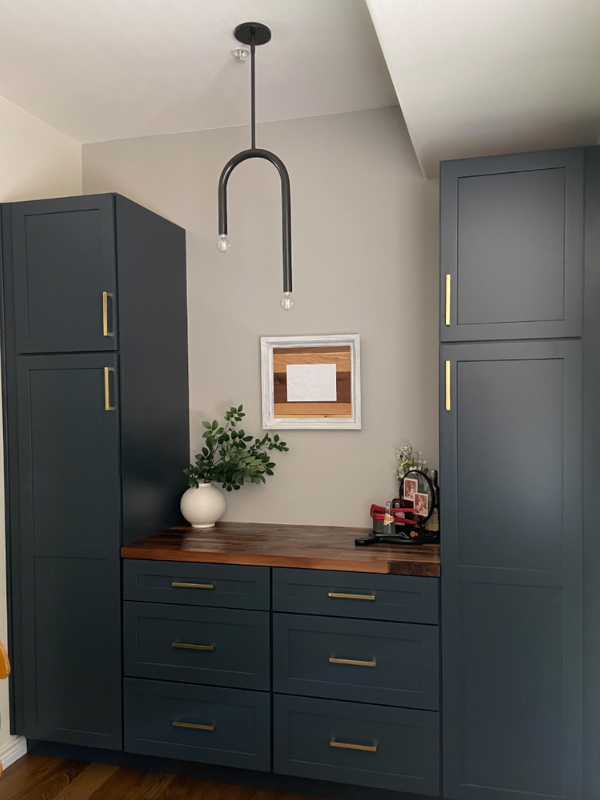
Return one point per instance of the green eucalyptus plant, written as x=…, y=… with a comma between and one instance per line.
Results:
x=229, y=458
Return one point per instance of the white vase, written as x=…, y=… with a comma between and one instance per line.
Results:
x=203, y=506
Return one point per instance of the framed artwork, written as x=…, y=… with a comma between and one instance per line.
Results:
x=311, y=382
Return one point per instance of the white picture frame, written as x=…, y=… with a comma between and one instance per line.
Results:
x=269, y=343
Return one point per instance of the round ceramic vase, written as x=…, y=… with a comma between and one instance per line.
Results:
x=203, y=506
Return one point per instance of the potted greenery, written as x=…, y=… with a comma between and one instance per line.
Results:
x=229, y=457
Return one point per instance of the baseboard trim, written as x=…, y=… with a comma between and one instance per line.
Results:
x=13, y=751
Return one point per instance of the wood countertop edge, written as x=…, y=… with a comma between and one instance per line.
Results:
x=386, y=566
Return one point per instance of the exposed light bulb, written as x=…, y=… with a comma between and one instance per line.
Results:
x=286, y=301
x=223, y=244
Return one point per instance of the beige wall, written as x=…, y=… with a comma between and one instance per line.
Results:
x=36, y=161
x=364, y=231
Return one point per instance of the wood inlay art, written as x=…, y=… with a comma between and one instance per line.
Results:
x=311, y=382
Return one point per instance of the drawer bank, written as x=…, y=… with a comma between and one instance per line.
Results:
x=327, y=672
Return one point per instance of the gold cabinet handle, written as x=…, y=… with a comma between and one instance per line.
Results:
x=353, y=661
x=183, y=646
x=107, y=405
x=180, y=585
x=105, y=331
x=177, y=724
x=369, y=748
x=343, y=596
x=448, y=384
x=448, y=295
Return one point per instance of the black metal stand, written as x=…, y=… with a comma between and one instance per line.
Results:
x=400, y=537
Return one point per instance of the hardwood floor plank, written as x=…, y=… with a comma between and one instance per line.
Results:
x=23, y=770
x=47, y=779
x=88, y=783
x=134, y=784
x=36, y=777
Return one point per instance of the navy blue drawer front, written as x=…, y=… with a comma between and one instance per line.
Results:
x=391, y=663
x=397, y=598
x=198, y=723
x=388, y=748
x=221, y=585
x=217, y=646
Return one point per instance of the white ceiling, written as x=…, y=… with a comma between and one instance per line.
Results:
x=112, y=69
x=473, y=77
x=478, y=77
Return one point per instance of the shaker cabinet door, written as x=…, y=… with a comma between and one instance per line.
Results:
x=63, y=271
x=512, y=246
x=511, y=570
x=69, y=538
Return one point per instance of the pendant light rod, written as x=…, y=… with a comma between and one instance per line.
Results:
x=253, y=34
x=253, y=89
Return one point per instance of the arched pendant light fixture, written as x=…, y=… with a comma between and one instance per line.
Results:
x=254, y=34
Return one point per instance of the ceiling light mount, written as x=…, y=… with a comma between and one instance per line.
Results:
x=248, y=31
x=253, y=34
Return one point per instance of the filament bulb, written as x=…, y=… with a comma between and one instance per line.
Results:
x=286, y=301
x=223, y=244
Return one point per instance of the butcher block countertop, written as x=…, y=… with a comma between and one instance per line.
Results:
x=300, y=546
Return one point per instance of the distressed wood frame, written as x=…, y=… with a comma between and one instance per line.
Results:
x=270, y=422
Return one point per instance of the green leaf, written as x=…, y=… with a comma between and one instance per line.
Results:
x=206, y=424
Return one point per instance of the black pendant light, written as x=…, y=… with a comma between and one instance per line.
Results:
x=254, y=34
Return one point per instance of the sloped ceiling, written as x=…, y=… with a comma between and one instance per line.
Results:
x=478, y=77
x=112, y=69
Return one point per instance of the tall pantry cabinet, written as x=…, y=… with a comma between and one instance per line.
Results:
x=96, y=431
x=518, y=355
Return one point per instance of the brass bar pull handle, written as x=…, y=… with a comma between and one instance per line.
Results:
x=353, y=661
x=372, y=748
x=183, y=646
x=448, y=385
x=107, y=405
x=448, y=296
x=177, y=724
x=105, y=331
x=180, y=585
x=344, y=596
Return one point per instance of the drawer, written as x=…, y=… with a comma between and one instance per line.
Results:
x=397, y=598
x=366, y=745
x=217, y=646
x=216, y=726
x=399, y=663
x=221, y=585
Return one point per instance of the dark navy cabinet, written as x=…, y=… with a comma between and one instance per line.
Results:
x=511, y=588
x=518, y=451
x=65, y=275
x=512, y=246
x=348, y=700
x=96, y=429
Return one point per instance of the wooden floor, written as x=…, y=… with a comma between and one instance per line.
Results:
x=43, y=778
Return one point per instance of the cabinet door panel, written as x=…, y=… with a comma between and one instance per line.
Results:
x=69, y=533
x=511, y=571
x=63, y=261
x=512, y=246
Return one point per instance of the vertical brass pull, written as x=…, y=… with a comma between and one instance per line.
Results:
x=107, y=405
x=448, y=384
x=105, y=331
x=448, y=279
